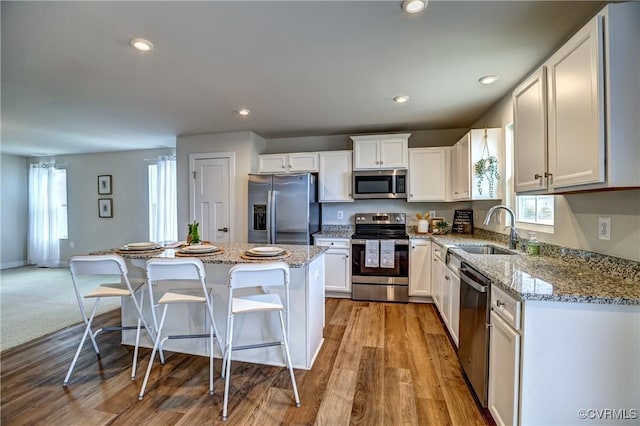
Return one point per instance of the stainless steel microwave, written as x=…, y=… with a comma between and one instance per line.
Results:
x=380, y=184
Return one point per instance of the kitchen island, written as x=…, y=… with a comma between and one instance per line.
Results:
x=306, y=299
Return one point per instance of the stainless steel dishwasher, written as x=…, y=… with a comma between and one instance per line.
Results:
x=473, y=349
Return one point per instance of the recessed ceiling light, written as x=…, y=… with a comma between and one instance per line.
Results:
x=488, y=79
x=243, y=111
x=141, y=44
x=401, y=99
x=414, y=6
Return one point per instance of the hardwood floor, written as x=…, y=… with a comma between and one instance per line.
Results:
x=381, y=364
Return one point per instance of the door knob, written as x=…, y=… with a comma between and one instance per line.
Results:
x=225, y=229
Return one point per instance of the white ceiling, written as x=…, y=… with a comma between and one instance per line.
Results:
x=72, y=84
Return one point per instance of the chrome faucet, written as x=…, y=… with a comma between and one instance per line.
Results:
x=513, y=235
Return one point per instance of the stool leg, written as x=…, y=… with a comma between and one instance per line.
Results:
x=288, y=357
x=153, y=353
x=228, y=367
x=87, y=331
x=211, y=360
x=135, y=350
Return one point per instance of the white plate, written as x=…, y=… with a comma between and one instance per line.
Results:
x=147, y=245
x=199, y=248
x=266, y=250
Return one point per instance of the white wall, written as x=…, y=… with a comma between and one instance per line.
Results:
x=246, y=146
x=14, y=172
x=576, y=215
x=130, y=189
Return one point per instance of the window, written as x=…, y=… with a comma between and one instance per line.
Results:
x=532, y=211
x=536, y=209
x=163, y=207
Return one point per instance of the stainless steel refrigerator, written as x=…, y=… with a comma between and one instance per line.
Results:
x=283, y=209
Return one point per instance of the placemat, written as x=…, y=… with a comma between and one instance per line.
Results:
x=130, y=252
x=265, y=258
x=214, y=253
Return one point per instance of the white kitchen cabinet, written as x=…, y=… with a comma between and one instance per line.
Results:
x=420, y=267
x=428, y=173
x=337, y=264
x=530, y=133
x=477, y=144
x=288, y=163
x=504, y=358
x=335, y=178
x=454, y=315
x=576, y=109
x=592, y=104
x=437, y=275
x=462, y=168
x=504, y=372
x=381, y=151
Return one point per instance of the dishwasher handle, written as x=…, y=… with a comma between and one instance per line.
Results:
x=476, y=286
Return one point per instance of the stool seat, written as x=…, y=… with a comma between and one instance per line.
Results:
x=256, y=303
x=259, y=277
x=180, y=269
x=110, y=264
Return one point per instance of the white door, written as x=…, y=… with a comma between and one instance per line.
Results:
x=211, y=204
x=427, y=174
x=504, y=372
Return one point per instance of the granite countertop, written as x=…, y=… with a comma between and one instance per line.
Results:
x=335, y=231
x=543, y=277
x=300, y=255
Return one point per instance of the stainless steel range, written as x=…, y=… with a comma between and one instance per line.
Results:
x=380, y=258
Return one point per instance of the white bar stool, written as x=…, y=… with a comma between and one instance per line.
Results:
x=259, y=276
x=109, y=264
x=181, y=269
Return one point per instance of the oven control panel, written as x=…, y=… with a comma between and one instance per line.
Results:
x=381, y=218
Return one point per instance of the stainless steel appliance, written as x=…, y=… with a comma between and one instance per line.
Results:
x=386, y=278
x=380, y=184
x=473, y=347
x=283, y=209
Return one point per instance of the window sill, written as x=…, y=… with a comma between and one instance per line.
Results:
x=547, y=229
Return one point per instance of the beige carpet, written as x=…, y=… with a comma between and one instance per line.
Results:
x=37, y=301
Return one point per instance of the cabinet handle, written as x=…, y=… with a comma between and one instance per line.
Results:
x=381, y=162
x=499, y=303
x=331, y=243
x=446, y=277
x=225, y=229
x=283, y=167
x=537, y=176
x=413, y=247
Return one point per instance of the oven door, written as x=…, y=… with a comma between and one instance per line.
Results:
x=398, y=274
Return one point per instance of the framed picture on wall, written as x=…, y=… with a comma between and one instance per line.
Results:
x=105, y=207
x=104, y=184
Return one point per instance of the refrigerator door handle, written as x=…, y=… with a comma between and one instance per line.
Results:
x=269, y=195
x=274, y=209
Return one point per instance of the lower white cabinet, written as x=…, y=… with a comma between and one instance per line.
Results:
x=420, y=268
x=504, y=372
x=337, y=265
x=454, y=307
x=437, y=275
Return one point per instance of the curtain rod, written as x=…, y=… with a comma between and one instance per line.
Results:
x=45, y=165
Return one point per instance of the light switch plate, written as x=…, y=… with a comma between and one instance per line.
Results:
x=604, y=228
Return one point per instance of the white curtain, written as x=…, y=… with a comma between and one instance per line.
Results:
x=43, y=248
x=166, y=213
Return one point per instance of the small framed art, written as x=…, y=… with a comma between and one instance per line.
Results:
x=105, y=207
x=104, y=184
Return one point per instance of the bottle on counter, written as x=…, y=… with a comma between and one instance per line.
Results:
x=533, y=245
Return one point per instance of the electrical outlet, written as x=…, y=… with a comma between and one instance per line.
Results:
x=604, y=228
x=432, y=213
x=340, y=214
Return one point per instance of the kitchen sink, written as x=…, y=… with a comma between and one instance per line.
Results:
x=484, y=249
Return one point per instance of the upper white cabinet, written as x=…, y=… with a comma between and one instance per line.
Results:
x=576, y=109
x=587, y=95
x=479, y=145
x=288, y=163
x=420, y=268
x=428, y=174
x=335, y=176
x=380, y=151
x=530, y=133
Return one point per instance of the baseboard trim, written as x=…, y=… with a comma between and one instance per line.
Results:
x=13, y=264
